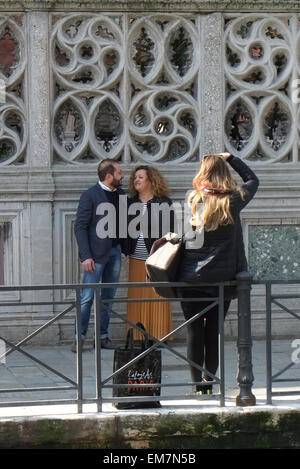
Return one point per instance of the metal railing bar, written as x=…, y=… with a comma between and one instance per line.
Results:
x=269, y=342
x=40, y=403
x=287, y=380
x=182, y=397
x=156, y=300
x=221, y=345
x=42, y=388
x=37, y=303
x=290, y=365
x=172, y=332
x=163, y=339
x=126, y=320
x=36, y=360
x=91, y=400
x=155, y=385
x=276, y=282
x=289, y=296
x=148, y=350
x=285, y=393
x=97, y=326
x=273, y=299
x=37, y=331
x=79, y=352
x=65, y=402
x=111, y=285
x=285, y=308
x=161, y=342
x=124, y=299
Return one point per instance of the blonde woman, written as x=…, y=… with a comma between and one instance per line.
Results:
x=215, y=204
x=149, y=199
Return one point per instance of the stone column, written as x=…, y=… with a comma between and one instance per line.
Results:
x=211, y=83
x=40, y=183
x=39, y=89
x=40, y=186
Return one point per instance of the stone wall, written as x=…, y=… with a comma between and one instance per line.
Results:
x=195, y=429
x=173, y=80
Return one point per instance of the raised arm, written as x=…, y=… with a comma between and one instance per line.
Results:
x=251, y=181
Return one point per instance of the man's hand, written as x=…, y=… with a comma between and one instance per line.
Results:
x=88, y=265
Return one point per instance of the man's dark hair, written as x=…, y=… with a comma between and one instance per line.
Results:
x=106, y=167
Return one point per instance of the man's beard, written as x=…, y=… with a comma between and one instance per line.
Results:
x=116, y=183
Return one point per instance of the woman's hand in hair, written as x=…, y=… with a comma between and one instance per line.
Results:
x=224, y=156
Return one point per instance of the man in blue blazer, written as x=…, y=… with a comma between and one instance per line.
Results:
x=99, y=247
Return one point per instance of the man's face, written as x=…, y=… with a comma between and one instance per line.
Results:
x=117, y=176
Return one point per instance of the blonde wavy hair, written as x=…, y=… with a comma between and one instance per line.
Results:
x=158, y=182
x=213, y=175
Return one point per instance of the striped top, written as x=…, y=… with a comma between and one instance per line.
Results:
x=141, y=251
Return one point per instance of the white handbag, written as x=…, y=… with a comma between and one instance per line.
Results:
x=163, y=262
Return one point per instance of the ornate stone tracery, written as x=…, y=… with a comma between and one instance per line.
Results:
x=143, y=72
x=88, y=60
x=260, y=116
x=13, y=125
x=89, y=55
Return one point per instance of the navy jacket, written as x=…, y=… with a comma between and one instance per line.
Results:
x=89, y=244
x=222, y=255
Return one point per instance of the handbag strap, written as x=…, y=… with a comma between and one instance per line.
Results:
x=144, y=343
x=176, y=239
x=129, y=339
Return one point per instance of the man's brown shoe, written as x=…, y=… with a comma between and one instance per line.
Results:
x=107, y=343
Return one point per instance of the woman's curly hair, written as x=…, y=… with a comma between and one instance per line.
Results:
x=158, y=182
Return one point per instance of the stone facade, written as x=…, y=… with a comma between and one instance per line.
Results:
x=156, y=82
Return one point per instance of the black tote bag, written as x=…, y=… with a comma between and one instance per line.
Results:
x=147, y=370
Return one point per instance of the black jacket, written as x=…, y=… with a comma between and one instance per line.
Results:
x=158, y=221
x=222, y=255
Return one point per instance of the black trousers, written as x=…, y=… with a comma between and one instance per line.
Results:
x=203, y=333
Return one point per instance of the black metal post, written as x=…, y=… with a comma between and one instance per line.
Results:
x=221, y=346
x=79, y=352
x=97, y=316
x=245, y=376
x=269, y=341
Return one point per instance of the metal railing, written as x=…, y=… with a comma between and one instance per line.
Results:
x=245, y=377
x=108, y=382
x=272, y=299
x=72, y=384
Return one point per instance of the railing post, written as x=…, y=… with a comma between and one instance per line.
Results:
x=79, y=352
x=245, y=376
x=269, y=341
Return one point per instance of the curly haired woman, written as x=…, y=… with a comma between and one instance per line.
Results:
x=150, y=197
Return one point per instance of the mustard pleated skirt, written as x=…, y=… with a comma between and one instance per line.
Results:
x=155, y=316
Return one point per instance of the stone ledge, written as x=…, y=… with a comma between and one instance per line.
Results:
x=167, y=428
x=149, y=6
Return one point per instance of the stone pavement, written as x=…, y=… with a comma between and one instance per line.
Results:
x=19, y=372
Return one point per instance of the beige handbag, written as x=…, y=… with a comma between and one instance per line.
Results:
x=163, y=262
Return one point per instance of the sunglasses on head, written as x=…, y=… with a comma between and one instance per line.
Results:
x=209, y=155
